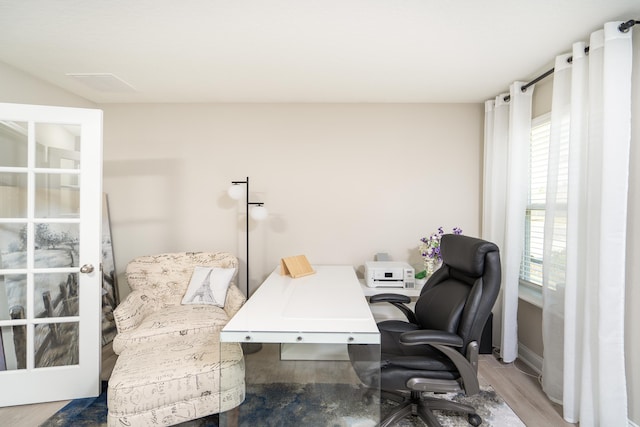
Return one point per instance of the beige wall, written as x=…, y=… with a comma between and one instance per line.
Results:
x=530, y=331
x=341, y=182
x=17, y=87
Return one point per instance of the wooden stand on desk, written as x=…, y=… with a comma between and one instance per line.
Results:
x=295, y=266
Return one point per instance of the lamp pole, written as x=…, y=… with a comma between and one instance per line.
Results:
x=248, y=204
x=246, y=231
x=258, y=213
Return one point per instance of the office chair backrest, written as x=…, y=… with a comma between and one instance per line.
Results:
x=459, y=296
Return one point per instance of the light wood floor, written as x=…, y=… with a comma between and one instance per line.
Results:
x=34, y=415
x=516, y=383
x=519, y=386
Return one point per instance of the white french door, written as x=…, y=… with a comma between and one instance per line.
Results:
x=50, y=255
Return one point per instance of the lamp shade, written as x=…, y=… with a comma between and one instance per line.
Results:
x=235, y=191
x=259, y=213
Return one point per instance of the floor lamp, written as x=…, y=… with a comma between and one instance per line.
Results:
x=258, y=212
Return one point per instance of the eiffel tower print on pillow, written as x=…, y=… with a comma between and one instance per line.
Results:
x=208, y=285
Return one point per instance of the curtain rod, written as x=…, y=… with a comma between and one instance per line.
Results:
x=623, y=28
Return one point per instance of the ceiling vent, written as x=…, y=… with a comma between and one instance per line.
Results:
x=103, y=82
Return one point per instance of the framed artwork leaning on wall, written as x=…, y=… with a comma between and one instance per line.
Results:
x=110, y=295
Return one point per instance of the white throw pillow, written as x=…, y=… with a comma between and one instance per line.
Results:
x=208, y=285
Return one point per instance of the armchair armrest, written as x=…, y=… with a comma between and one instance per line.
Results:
x=135, y=307
x=235, y=299
x=446, y=343
x=397, y=301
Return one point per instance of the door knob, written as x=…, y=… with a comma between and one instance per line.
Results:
x=86, y=269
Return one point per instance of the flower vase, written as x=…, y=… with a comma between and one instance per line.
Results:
x=431, y=265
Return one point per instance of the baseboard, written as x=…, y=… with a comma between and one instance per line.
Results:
x=530, y=358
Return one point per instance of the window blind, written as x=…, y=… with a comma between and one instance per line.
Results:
x=531, y=265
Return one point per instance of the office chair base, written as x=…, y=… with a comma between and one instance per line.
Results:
x=423, y=407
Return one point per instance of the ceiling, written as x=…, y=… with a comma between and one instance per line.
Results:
x=164, y=51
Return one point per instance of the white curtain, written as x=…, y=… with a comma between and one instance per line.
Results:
x=506, y=160
x=586, y=217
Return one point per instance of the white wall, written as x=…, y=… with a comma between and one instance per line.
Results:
x=18, y=87
x=341, y=182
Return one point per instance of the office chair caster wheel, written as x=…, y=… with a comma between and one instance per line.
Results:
x=474, y=420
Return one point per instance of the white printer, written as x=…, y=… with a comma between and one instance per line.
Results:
x=389, y=274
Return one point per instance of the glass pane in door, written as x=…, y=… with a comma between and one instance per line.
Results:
x=13, y=193
x=56, y=344
x=13, y=296
x=57, y=195
x=13, y=243
x=13, y=144
x=56, y=245
x=13, y=306
x=57, y=146
x=56, y=295
x=14, y=345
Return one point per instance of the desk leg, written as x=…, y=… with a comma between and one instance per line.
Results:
x=233, y=415
x=251, y=347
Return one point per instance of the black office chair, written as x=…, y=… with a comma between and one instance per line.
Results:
x=437, y=349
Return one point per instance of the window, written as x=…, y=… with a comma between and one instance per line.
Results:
x=538, y=234
x=531, y=265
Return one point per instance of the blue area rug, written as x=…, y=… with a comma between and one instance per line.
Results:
x=308, y=405
x=92, y=412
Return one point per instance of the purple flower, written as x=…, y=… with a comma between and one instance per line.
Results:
x=430, y=247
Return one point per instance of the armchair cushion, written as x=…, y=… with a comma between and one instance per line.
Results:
x=208, y=285
x=176, y=320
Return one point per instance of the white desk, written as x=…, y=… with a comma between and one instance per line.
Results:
x=326, y=309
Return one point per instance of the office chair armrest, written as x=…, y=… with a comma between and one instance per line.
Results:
x=431, y=337
x=397, y=301
x=444, y=342
x=389, y=298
